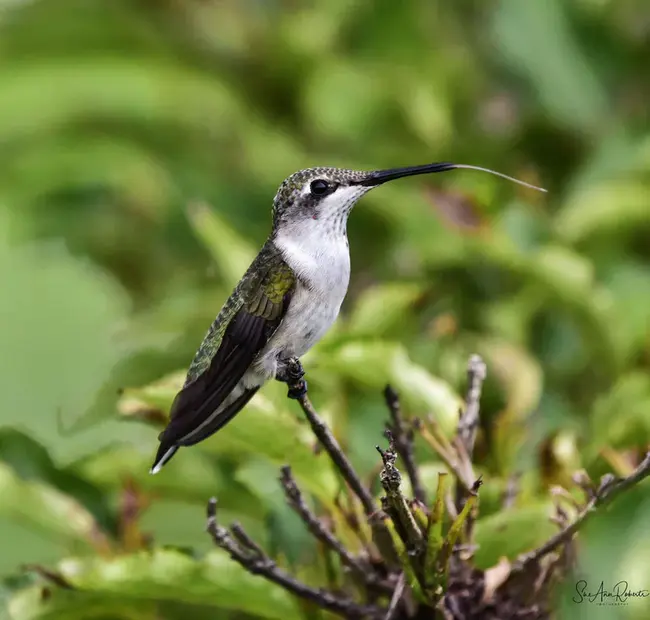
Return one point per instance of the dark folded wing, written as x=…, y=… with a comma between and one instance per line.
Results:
x=219, y=420
x=194, y=409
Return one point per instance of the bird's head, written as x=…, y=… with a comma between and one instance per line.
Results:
x=322, y=198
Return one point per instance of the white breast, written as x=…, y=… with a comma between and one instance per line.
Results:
x=322, y=267
x=323, y=262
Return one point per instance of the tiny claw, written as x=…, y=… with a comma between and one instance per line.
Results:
x=297, y=391
x=295, y=371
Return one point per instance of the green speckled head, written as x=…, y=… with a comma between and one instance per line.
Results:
x=327, y=195
x=295, y=197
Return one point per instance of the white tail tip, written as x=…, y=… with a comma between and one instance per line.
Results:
x=158, y=465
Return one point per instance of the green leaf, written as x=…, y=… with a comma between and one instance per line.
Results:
x=182, y=523
x=521, y=381
x=518, y=372
x=49, y=513
x=567, y=270
x=22, y=543
x=194, y=476
x=536, y=37
x=80, y=160
x=621, y=417
x=616, y=538
x=232, y=253
x=382, y=307
x=68, y=311
x=563, y=279
x=427, y=111
x=375, y=364
x=629, y=284
x=434, y=531
x=511, y=532
x=312, y=29
x=116, y=88
x=156, y=396
x=262, y=429
x=610, y=208
x=330, y=114
x=163, y=575
x=287, y=533
x=31, y=462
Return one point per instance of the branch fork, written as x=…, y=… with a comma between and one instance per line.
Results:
x=419, y=558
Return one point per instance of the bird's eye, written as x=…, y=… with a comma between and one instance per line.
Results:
x=319, y=187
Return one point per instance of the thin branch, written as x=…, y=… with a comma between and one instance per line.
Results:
x=373, y=477
x=337, y=455
x=448, y=457
x=390, y=481
x=582, y=479
x=403, y=437
x=469, y=421
x=320, y=532
x=351, y=517
x=246, y=541
x=467, y=427
x=464, y=461
x=258, y=563
x=51, y=576
x=609, y=489
x=450, y=506
x=381, y=535
x=391, y=614
x=511, y=491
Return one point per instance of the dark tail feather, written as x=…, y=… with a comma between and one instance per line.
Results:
x=222, y=418
x=164, y=454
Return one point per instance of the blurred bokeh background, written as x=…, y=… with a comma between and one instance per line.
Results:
x=141, y=144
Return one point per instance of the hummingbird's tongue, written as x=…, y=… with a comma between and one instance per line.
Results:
x=381, y=176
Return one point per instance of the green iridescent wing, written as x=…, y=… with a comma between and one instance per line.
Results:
x=256, y=309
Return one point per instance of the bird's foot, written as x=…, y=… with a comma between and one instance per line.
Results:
x=298, y=391
x=292, y=374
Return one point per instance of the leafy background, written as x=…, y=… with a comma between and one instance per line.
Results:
x=141, y=144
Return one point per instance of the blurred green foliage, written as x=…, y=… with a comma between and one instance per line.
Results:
x=141, y=145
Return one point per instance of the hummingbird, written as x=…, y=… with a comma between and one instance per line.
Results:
x=284, y=304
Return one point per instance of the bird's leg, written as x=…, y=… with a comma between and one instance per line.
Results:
x=291, y=372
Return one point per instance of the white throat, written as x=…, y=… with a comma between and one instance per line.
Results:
x=316, y=247
x=319, y=257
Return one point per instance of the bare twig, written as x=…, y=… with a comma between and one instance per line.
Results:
x=391, y=614
x=373, y=476
x=337, y=455
x=256, y=562
x=511, y=491
x=449, y=458
x=381, y=535
x=320, y=532
x=391, y=480
x=582, y=479
x=51, y=576
x=560, y=494
x=351, y=516
x=450, y=506
x=467, y=427
x=245, y=541
x=403, y=438
x=464, y=461
x=609, y=488
x=468, y=424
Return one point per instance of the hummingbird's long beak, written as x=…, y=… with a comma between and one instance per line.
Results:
x=381, y=176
